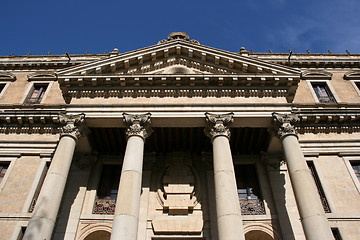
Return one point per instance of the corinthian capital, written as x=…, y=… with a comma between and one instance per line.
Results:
x=138, y=125
x=218, y=125
x=73, y=125
x=283, y=124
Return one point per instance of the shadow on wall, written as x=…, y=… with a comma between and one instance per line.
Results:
x=98, y=235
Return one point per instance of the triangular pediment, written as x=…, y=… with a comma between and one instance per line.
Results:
x=178, y=68
x=158, y=58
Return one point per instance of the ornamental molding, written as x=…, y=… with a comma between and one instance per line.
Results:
x=30, y=121
x=328, y=121
x=7, y=76
x=137, y=125
x=352, y=75
x=42, y=76
x=283, y=124
x=218, y=125
x=73, y=125
x=316, y=74
x=176, y=49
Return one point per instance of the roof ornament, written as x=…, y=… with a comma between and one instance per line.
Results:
x=175, y=36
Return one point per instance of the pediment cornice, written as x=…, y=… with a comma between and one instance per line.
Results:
x=177, y=50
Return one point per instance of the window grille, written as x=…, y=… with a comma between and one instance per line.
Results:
x=37, y=93
x=248, y=190
x=323, y=92
x=356, y=167
x=38, y=189
x=319, y=187
x=3, y=169
x=105, y=200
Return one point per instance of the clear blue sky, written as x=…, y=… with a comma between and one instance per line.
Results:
x=77, y=26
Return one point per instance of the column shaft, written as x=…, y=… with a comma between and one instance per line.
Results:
x=126, y=217
x=42, y=222
x=228, y=210
x=313, y=218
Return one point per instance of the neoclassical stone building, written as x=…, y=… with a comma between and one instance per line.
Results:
x=180, y=141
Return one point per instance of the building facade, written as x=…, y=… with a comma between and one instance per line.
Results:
x=180, y=141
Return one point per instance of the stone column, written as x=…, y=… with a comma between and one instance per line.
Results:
x=126, y=219
x=312, y=215
x=41, y=224
x=228, y=212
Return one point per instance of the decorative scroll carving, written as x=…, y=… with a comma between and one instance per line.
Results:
x=218, y=125
x=73, y=125
x=138, y=125
x=283, y=124
x=104, y=206
x=252, y=207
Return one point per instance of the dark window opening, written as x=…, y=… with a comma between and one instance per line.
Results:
x=107, y=191
x=2, y=86
x=336, y=233
x=356, y=168
x=22, y=233
x=323, y=92
x=248, y=190
x=357, y=85
x=3, y=169
x=37, y=93
x=319, y=187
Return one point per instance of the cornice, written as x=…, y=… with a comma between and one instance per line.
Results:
x=7, y=76
x=162, y=85
x=30, y=122
x=328, y=120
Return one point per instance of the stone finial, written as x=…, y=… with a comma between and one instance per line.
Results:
x=283, y=124
x=73, y=125
x=218, y=125
x=178, y=35
x=138, y=125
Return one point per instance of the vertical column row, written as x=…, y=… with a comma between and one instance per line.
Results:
x=228, y=210
x=42, y=222
x=313, y=218
x=126, y=219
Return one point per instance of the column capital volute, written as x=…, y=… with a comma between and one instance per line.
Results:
x=138, y=125
x=284, y=124
x=218, y=125
x=73, y=125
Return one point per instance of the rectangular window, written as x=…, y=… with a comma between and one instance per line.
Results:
x=323, y=92
x=2, y=86
x=319, y=187
x=248, y=190
x=37, y=93
x=3, y=169
x=336, y=233
x=38, y=189
x=107, y=191
x=357, y=85
x=22, y=233
x=356, y=166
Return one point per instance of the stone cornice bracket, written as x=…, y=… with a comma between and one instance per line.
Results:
x=138, y=125
x=73, y=125
x=218, y=125
x=283, y=124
